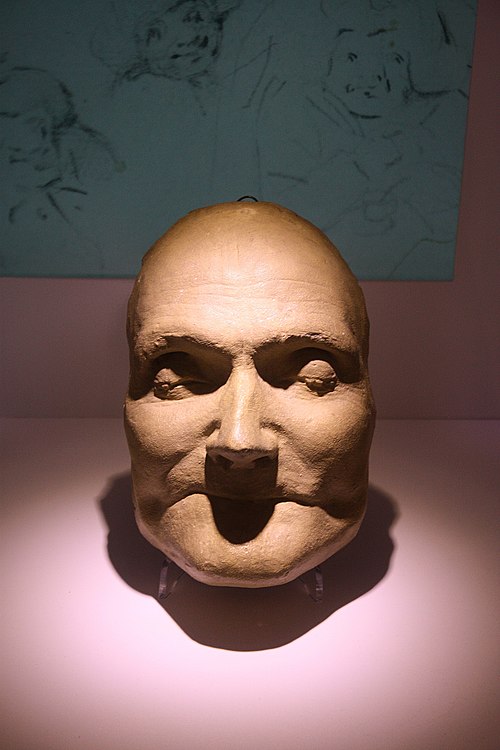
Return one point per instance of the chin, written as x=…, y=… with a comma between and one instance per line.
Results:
x=292, y=540
x=239, y=574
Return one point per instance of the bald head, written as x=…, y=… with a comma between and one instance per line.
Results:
x=245, y=222
x=253, y=244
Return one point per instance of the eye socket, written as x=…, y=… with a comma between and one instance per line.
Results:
x=179, y=376
x=154, y=32
x=193, y=16
x=318, y=376
x=167, y=386
x=170, y=386
x=307, y=371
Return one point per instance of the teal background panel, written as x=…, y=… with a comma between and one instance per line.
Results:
x=116, y=118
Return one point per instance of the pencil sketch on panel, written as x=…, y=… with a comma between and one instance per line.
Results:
x=49, y=156
x=185, y=83
x=371, y=145
x=177, y=40
x=351, y=113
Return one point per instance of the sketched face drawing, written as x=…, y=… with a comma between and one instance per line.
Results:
x=34, y=110
x=249, y=414
x=26, y=138
x=182, y=42
x=368, y=73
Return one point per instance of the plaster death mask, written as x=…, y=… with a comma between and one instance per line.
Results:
x=249, y=414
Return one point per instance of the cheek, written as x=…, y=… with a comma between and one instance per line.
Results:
x=332, y=435
x=340, y=78
x=167, y=430
x=340, y=420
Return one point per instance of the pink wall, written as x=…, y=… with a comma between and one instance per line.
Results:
x=435, y=350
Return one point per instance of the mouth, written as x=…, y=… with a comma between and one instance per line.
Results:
x=239, y=521
x=250, y=497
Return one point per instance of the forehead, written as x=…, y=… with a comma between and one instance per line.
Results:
x=246, y=276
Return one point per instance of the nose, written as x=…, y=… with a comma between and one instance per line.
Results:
x=369, y=80
x=241, y=441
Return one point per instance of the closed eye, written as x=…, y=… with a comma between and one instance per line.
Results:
x=306, y=371
x=318, y=376
x=179, y=375
x=167, y=386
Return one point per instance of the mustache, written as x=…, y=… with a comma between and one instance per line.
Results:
x=245, y=483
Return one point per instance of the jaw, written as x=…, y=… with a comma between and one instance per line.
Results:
x=222, y=542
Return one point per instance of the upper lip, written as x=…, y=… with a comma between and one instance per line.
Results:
x=245, y=496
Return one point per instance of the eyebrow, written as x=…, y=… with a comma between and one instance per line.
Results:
x=164, y=343
x=152, y=348
x=345, y=345
x=343, y=31
x=377, y=32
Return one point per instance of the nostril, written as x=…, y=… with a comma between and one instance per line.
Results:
x=221, y=461
x=245, y=459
